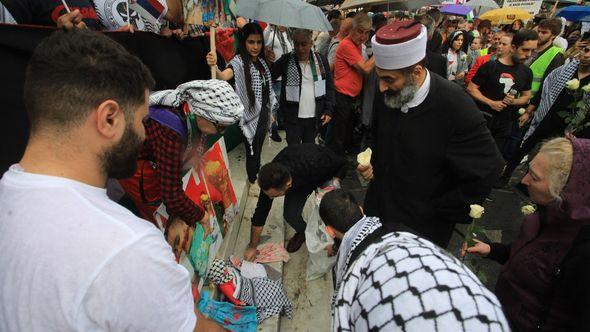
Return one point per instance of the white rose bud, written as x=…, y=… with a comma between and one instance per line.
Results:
x=527, y=209
x=476, y=211
x=364, y=158
x=573, y=84
x=521, y=111
x=586, y=88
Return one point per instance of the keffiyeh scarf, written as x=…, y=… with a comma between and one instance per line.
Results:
x=351, y=240
x=249, y=120
x=267, y=296
x=407, y=283
x=213, y=100
x=294, y=79
x=552, y=87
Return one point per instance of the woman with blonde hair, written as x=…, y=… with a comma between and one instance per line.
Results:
x=544, y=281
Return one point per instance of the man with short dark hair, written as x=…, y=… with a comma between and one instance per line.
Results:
x=295, y=173
x=374, y=266
x=73, y=260
x=432, y=153
x=502, y=86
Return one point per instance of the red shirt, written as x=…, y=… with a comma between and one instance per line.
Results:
x=347, y=79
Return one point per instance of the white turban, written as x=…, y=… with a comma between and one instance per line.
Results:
x=392, y=51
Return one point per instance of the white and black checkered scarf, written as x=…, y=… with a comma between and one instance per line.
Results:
x=249, y=121
x=406, y=283
x=294, y=80
x=552, y=87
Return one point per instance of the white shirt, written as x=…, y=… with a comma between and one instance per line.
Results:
x=274, y=41
x=420, y=95
x=307, y=98
x=73, y=260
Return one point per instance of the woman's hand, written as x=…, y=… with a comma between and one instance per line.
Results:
x=211, y=59
x=481, y=249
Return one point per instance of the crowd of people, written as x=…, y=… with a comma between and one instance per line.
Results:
x=448, y=107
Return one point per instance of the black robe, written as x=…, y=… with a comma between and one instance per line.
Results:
x=431, y=163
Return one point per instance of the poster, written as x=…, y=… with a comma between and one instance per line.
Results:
x=209, y=185
x=532, y=6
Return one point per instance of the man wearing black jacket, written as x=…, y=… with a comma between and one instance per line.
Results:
x=432, y=153
x=295, y=173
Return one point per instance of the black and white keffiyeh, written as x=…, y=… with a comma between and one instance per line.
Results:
x=405, y=283
x=267, y=296
x=249, y=120
x=552, y=87
x=353, y=237
x=294, y=80
x=213, y=100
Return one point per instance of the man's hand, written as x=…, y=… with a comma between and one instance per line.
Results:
x=497, y=105
x=206, y=223
x=330, y=250
x=269, y=54
x=365, y=171
x=250, y=254
x=509, y=99
x=126, y=28
x=523, y=119
x=71, y=20
x=325, y=119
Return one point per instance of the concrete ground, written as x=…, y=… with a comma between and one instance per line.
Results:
x=311, y=300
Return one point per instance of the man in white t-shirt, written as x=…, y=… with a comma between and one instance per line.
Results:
x=71, y=259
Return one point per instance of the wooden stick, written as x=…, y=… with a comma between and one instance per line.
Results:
x=213, y=50
x=128, y=16
x=66, y=6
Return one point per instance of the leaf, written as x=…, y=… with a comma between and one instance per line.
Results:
x=563, y=114
x=482, y=277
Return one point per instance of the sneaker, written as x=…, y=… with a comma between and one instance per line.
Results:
x=275, y=136
x=296, y=242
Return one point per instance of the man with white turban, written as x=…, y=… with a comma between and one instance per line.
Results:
x=433, y=155
x=175, y=131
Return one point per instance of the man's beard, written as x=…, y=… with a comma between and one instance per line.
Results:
x=397, y=99
x=120, y=161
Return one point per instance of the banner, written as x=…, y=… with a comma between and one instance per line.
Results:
x=211, y=188
x=532, y=6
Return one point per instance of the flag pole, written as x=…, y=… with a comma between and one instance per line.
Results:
x=66, y=6
x=213, y=49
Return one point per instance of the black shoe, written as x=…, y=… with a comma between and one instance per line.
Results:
x=275, y=136
x=296, y=242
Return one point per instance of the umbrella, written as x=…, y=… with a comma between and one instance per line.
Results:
x=458, y=10
x=482, y=6
x=574, y=13
x=387, y=5
x=506, y=15
x=289, y=13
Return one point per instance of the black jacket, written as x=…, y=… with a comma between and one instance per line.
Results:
x=431, y=163
x=436, y=63
x=310, y=166
x=323, y=105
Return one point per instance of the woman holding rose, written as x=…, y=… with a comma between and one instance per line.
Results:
x=544, y=281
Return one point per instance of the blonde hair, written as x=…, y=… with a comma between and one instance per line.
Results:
x=559, y=154
x=362, y=20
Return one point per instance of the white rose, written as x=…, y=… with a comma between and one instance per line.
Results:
x=364, y=158
x=521, y=111
x=476, y=211
x=573, y=84
x=586, y=88
x=464, y=57
x=527, y=209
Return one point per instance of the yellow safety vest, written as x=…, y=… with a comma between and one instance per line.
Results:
x=540, y=65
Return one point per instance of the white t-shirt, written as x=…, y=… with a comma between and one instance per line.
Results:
x=73, y=260
x=307, y=99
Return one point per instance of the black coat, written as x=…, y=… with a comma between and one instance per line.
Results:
x=431, y=163
x=290, y=110
x=436, y=63
x=310, y=166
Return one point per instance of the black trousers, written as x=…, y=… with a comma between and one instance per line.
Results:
x=500, y=126
x=340, y=126
x=301, y=131
x=293, y=207
x=253, y=153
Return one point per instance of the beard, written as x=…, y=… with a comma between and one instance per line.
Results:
x=120, y=161
x=396, y=99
